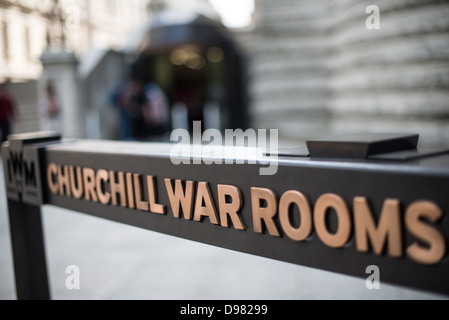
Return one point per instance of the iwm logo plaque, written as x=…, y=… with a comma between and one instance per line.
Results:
x=21, y=160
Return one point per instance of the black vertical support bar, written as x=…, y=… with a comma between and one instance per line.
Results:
x=27, y=239
x=23, y=157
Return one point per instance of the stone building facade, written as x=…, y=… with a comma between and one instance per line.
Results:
x=79, y=46
x=25, y=27
x=327, y=67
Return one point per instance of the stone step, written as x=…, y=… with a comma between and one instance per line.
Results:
x=395, y=77
x=287, y=85
x=274, y=108
x=305, y=47
x=285, y=9
x=424, y=103
x=295, y=27
x=417, y=49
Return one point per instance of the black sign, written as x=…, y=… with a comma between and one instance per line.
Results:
x=331, y=214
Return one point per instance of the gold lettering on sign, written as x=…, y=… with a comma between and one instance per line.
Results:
x=76, y=183
x=230, y=209
x=64, y=182
x=52, y=171
x=140, y=203
x=130, y=190
x=430, y=235
x=293, y=215
x=305, y=229
x=102, y=178
x=208, y=210
x=180, y=199
x=388, y=228
x=323, y=204
x=117, y=185
x=89, y=184
x=154, y=206
x=266, y=213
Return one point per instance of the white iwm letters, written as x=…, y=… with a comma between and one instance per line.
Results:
x=237, y=147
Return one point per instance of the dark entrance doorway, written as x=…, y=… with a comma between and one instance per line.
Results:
x=200, y=71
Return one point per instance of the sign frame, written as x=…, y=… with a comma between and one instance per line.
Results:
x=231, y=206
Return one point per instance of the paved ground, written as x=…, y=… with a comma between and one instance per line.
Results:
x=121, y=262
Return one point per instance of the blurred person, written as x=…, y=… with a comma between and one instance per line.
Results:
x=128, y=97
x=8, y=111
x=156, y=111
x=125, y=123
x=191, y=95
x=51, y=110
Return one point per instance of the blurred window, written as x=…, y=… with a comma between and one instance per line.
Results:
x=5, y=40
x=27, y=40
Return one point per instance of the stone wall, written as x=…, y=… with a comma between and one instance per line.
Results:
x=317, y=69
x=25, y=95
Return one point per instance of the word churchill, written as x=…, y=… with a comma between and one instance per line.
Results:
x=268, y=213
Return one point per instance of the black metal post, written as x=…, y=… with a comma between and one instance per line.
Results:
x=27, y=239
